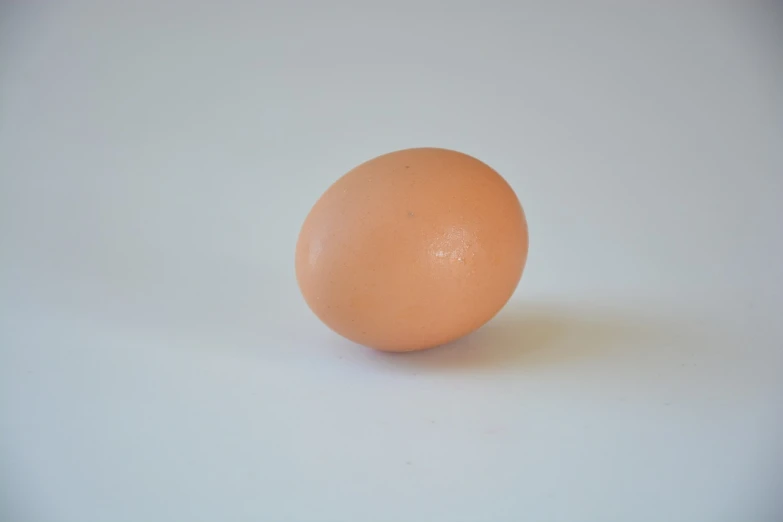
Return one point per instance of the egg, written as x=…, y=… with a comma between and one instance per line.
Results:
x=412, y=249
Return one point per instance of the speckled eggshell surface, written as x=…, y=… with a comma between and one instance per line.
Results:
x=412, y=249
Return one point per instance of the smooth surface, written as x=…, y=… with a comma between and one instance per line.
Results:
x=158, y=364
x=412, y=249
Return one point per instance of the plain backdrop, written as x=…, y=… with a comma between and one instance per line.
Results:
x=158, y=364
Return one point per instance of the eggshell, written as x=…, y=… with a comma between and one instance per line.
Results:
x=412, y=249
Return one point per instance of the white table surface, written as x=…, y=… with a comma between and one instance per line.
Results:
x=157, y=362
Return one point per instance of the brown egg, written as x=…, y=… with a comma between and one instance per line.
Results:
x=412, y=249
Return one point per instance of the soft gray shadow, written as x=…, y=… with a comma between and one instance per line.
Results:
x=529, y=335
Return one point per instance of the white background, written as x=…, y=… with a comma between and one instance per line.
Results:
x=157, y=362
